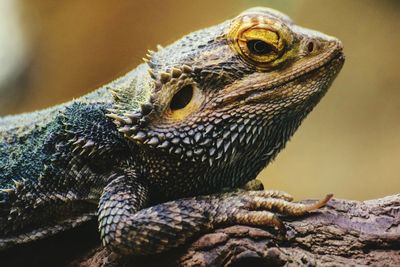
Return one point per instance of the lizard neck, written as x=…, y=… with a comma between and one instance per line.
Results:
x=172, y=177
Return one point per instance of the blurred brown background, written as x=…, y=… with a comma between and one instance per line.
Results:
x=52, y=51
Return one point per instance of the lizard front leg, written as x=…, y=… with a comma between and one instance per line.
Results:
x=128, y=229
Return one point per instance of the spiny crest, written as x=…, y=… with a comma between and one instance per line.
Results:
x=83, y=146
x=217, y=139
x=132, y=125
x=173, y=75
x=134, y=102
x=148, y=60
x=161, y=78
x=81, y=125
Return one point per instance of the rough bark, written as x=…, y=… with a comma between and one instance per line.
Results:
x=350, y=233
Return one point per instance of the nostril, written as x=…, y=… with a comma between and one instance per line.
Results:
x=310, y=47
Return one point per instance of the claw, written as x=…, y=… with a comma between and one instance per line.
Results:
x=278, y=224
x=283, y=206
x=320, y=203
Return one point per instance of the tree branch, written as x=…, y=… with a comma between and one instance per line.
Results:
x=343, y=233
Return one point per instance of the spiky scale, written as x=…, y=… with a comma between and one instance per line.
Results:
x=18, y=184
x=226, y=146
x=176, y=140
x=125, y=129
x=89, y=143
x=94, y=150
x=134, y=128
x=186, y=140
x=9, y=191
x=248, y=138
x=198, y=151
x=115, y=94
x=78, y=141
x=197, y=137
x=186, y=69
x=209, y=128
x=234, y=137
x=140, y=136
x=219, y=155
x=211, y=151
x=206, y=142
x=175, y=72
x=153, y=141
x=164, y=144
x=211, y=162
x=115, y=117
x=226, y=134
x=151, y=73
x=218, y=120
x=165, y=77
x=127, y=120
x=219, y=143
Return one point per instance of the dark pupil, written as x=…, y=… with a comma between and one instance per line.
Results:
x=259, y=47
x=182, y=98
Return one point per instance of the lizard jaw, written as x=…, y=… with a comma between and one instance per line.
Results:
x=256, y=85
x=336, y=62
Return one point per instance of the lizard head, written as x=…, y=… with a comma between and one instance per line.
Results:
x=229, y=94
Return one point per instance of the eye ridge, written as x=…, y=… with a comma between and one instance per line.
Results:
x=182, y=98
x=259, y=47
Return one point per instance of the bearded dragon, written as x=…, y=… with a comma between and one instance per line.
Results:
x=168, y=150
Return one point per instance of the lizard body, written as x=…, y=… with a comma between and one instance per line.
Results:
x=154, y=152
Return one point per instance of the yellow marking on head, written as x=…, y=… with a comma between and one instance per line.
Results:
x=259, y=40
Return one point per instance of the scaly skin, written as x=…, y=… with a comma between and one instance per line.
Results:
x=155, y=152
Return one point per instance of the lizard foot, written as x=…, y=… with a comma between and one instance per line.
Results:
x=263, y=207
x=127, y=227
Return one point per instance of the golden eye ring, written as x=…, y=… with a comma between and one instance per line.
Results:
x=257, y=44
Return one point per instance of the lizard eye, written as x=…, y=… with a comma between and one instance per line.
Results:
x=257, y=44
x=182, y=98
x=259, y=47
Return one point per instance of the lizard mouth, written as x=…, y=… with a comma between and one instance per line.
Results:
x=336, y=62
x=259, y=88
x=333, y=58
